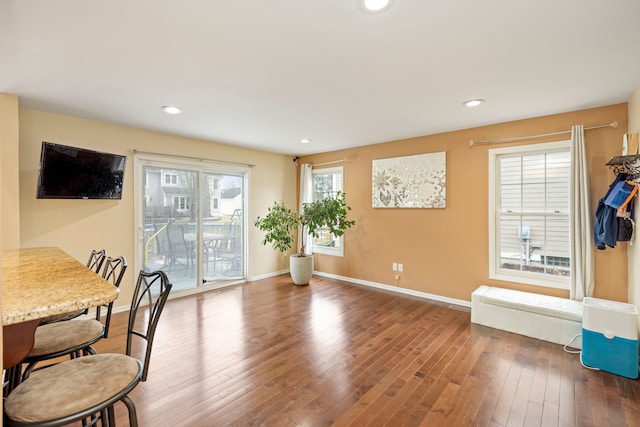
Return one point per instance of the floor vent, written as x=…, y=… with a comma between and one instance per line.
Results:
x=460, y=308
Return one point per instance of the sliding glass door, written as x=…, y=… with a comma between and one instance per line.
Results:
x=223, y=227
x=191, y=221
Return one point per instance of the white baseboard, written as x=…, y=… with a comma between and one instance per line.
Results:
x=396, y=289
x=267, y=275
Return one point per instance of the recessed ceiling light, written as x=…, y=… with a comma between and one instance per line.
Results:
x=473, y=102
x=169, y=109
x=374, y=6
x=305, y=140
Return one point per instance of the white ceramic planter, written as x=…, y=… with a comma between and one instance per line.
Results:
x=301, y=269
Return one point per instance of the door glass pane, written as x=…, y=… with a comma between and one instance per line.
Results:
x=222, y=225
x=170, y=224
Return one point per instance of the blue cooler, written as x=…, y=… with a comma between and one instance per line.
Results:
x=610, y=336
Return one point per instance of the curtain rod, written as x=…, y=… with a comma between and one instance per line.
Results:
x=517, y=138
x=330, y=163
x=200, y=159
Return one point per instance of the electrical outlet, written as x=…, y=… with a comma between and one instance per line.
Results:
x=397, y=277
x=399, y=267
x=394, y=266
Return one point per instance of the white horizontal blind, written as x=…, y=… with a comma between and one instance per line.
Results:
x=533, y=212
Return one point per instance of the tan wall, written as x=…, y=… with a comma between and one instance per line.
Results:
x=634, y=253
x=9, y=190
x=445, y=251
x=77, y=226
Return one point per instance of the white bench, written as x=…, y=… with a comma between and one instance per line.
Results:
x=544, y=317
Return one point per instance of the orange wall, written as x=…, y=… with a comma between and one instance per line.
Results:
x=445, y=251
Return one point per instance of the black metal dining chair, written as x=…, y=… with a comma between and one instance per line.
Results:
x=181, y=251
x=162, y=250
x=229, y=252
x=74, y=339
x=86, y=388
x=113, y=272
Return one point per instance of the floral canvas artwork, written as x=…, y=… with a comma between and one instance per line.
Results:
x=417, y=181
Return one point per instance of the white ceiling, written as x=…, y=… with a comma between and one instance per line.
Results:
x=264, y=74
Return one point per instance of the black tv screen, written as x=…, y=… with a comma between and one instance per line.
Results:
x=78, y=173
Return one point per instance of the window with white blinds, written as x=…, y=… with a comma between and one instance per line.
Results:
x=529, y=196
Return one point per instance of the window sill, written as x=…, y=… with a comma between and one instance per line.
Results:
x=327, y=250
x=545, y=282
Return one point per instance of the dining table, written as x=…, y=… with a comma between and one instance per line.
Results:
x=42, y=282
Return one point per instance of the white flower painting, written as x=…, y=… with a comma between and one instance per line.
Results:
x=417, y=181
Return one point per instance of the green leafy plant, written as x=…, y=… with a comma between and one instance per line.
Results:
x=281, y=223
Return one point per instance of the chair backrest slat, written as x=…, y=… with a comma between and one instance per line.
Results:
x=96, y=259
x=152, y=289
x=113, y=272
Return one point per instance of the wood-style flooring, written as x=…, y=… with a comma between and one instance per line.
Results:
x=270, y=353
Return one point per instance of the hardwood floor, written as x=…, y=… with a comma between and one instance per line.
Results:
x=273, y=354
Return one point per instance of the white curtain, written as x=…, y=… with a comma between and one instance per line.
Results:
x=582, y=273
x=306, y=196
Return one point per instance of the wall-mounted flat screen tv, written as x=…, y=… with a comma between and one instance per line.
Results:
x=78, y=173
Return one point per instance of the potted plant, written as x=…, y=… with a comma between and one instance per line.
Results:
x=282, y=224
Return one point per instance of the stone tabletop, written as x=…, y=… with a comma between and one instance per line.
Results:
x=40, y=282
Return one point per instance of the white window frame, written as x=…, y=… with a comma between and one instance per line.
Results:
x=330, y=250
x=495, y=271
x=172, y=177
x=182, y=201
